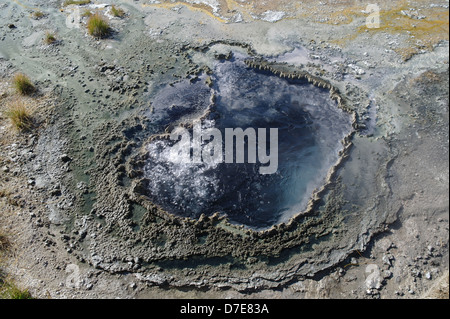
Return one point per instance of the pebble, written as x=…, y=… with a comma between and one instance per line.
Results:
x=372, y=292
x=387, y=260
x=65, y=158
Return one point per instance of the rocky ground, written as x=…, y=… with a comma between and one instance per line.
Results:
x=70, y=189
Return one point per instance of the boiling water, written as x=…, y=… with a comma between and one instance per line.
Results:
x=310, y=130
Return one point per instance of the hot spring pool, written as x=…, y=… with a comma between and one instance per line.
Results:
x=310, y=130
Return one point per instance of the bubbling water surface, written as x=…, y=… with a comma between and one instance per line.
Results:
x=310, y=130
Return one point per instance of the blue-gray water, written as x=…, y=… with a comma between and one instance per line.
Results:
x=310, y=131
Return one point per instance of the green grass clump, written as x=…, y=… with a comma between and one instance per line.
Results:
x=76, y=2
x=117, y=12
x=38, y=14
x=22, y=84
x=98, y=26
x=9, y=290
x=49, y=38
x=19, y=115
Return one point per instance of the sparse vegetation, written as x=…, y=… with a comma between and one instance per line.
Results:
x=86, y=13
x=38, y=14
x=76, y=2
x=98, y=26
x=117, y=12
x=19, y=115
x=9, y=290
x=22, y=84
x=49, y=38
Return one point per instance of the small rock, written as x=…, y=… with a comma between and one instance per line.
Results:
x=82, y=186
x=416, y=273
x=5, y=169
x=373, y=282
x=65, y=158
x=428, y=275
x=372, y=292
x=386, y=260
x=222, y=56
x=387, y=274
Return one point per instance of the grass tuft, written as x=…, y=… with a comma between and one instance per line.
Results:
x=76, y=2
x=98, y=26
x=38, y=14
x=22, y=84
x=117, y=12
x=49, y=38
x=9, y=290
x=19, y=115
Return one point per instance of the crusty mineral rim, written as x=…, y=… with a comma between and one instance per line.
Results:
x=282, y=71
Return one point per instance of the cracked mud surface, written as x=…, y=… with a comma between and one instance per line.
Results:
x=73, y=192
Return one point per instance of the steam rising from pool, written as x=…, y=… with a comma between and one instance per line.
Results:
x=310, y=125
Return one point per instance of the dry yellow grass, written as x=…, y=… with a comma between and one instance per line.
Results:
x=19, y=114
x=98, y=26
x=440, y=290
x=76, y=2
x=117, y=12
x=49, y=38
x=8, y=289
x=23, y=84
